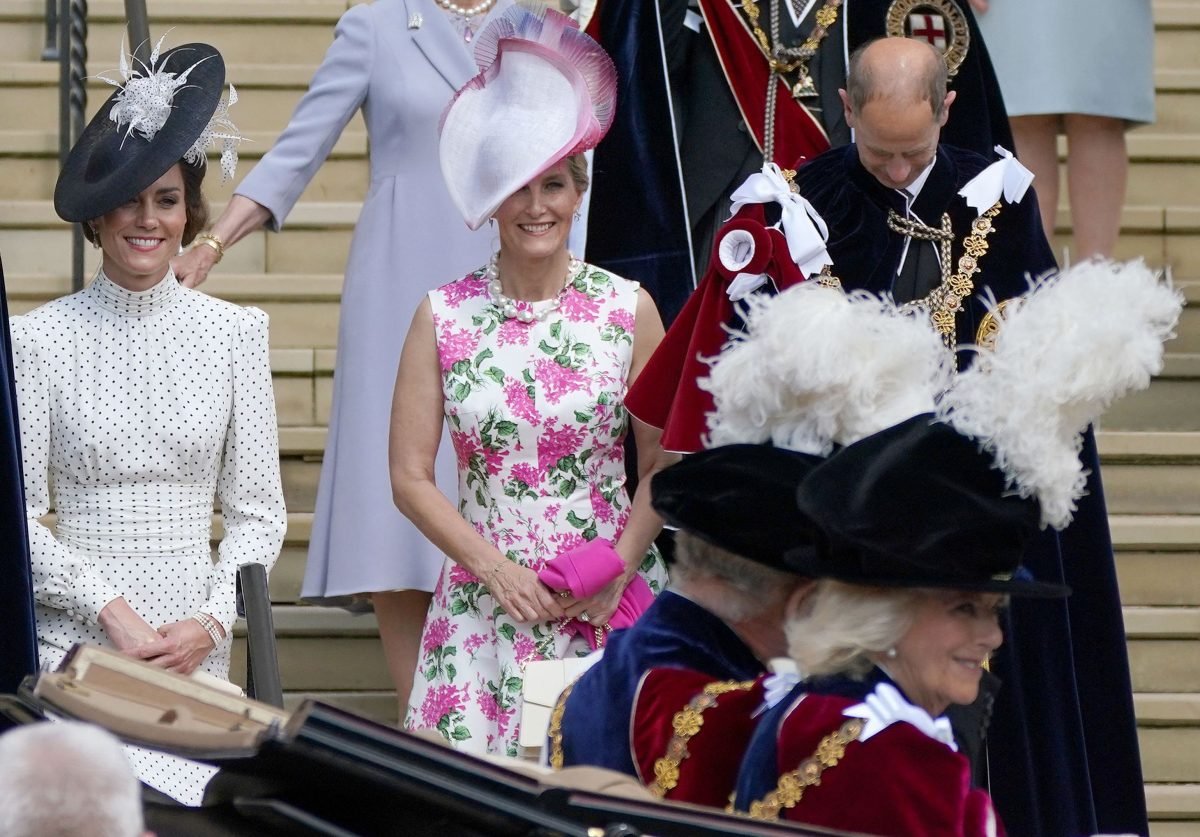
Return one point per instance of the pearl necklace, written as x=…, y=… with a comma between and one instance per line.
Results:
x=466, y=11
x=521, y=310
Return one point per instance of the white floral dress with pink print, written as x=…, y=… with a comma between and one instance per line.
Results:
x=536, y=414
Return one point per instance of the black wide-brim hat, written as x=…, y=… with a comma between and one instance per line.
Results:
x=109, y=164
x=739, y=498
x=919, y=505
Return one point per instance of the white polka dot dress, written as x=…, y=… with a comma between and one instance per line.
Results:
x=136, y=409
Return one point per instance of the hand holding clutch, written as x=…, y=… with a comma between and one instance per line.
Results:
x=585, y=571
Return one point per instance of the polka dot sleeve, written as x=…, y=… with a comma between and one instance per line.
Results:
x=248, y=486
x=62, y=578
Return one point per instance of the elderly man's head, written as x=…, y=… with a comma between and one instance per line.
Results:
x=67, y=780
x=896, y=102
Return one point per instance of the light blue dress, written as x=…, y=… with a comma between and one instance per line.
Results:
x=1093, y=57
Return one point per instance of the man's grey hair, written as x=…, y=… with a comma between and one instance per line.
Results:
x=67, y=780
x=751, y=587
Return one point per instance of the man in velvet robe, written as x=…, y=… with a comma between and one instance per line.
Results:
x=722, y=618
x=1062, y=748
x=719, y=74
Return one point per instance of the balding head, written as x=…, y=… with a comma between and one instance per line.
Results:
x=896, y=103
x=902, y=70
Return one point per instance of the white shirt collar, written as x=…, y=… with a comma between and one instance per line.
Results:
x=913, y=189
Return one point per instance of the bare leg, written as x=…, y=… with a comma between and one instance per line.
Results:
x=1035, y=137
x=1097, y=170
x=401, y=616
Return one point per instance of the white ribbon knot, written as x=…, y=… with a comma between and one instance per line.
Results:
x=1006, y=177
x=802, y=225
x=886, y=706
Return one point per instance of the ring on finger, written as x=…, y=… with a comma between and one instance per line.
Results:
x=564, y=594
x=583, y=617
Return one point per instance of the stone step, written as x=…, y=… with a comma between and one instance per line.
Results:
x=1151, y=473
x=1164, y=651
x=1150, y=578
x=1174, y=802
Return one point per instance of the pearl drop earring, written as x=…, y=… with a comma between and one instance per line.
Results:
x=891, y=653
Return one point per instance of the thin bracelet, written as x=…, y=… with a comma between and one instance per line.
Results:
x=212, y=240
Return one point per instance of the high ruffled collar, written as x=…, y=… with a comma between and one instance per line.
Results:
x=125, y=303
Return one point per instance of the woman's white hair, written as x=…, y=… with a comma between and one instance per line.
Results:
x=750, y=587
x=839, y=626
x=67, y=780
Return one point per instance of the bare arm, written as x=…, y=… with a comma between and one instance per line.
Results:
x=416, y=430
x=644, y=523
x=241, y=217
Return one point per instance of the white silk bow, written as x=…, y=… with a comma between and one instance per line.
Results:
x=803, y=226
x=1006, y=177
x=886, y=706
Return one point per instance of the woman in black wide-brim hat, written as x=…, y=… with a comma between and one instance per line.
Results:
x=141, y=400
x=933, y=486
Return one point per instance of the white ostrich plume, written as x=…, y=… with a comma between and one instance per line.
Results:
x=1065, y=351
x=144, y=104
x=816, y=367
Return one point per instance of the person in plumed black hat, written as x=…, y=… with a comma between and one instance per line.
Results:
x=721, y=619
x=921, y=515
x=140, y=400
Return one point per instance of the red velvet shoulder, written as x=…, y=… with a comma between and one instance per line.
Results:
x=899, y=782
x=688, y=733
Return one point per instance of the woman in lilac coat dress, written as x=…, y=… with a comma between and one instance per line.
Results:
x=400, y=61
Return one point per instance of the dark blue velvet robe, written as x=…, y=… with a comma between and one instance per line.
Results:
x=672, y=633
x=1062, y=747
x=18, y=650
x=637, y=223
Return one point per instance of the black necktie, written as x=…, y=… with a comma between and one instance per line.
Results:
x=921, y=271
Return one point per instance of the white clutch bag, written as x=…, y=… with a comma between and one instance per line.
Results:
x=544, y=681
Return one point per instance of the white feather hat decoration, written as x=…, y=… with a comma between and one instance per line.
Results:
x=816, y=366
x=1064, y=352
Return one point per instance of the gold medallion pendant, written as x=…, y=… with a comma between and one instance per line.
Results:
x=940, y=23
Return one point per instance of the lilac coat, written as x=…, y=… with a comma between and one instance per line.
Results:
x=409, y=239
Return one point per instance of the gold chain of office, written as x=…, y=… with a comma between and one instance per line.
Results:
x=783, y=61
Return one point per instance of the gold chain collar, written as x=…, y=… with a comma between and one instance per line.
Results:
x=784, y=60
x=945, y=301
x=686, y=723
x=790, y=789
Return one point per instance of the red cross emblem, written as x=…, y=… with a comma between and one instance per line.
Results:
x=926, y=27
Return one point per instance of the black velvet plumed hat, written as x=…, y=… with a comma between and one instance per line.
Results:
x=936, y=478
x=740, y=498
x=176, y=97
x=918, y=505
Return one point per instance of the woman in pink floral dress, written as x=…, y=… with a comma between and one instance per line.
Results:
x=528, y=360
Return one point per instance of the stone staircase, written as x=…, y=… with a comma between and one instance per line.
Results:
x=1150, y=443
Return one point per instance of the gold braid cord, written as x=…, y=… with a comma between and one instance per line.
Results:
x=555, y=732
x=686, y=723
x=945, y=301
x=791, y=787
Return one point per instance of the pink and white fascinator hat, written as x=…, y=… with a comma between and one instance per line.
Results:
x=544, y=91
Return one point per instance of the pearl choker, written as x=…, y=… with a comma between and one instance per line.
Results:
x=521, y=310
x=466, y=11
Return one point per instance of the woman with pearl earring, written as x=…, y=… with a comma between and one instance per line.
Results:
x=527, y=361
